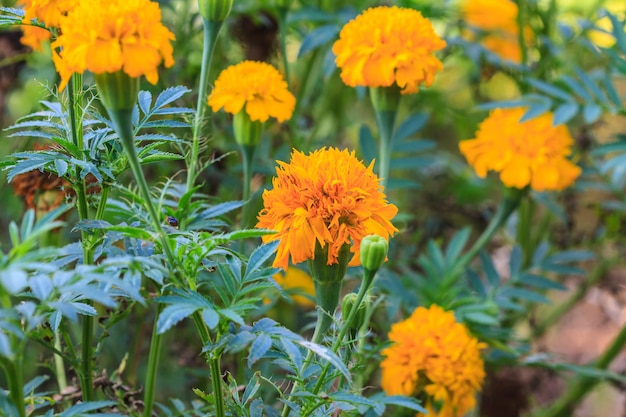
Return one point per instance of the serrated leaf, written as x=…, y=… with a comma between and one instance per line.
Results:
x=564, y=113
x=231, y=315
x=259, y=256
x=170, y=95
x=406, y=402
x=456, y=245
x=210, y=317
x=172, y=314
x=220, y=209
x=259, y=348
x=541, y=282
x=85, y=407
x=329, y=356
x=524, y=295
x=549, y=89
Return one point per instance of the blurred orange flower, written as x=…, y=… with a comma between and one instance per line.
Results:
x=433, y=354
x=387, y=45
x=329, y=197
x=498, y=20
x=258, y=87
x=48, y=12
x=106, y=36
x=297, y=284
x=524, y=153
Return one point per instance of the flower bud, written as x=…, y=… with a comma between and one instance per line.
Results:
x=385, y=98
x=347, y=305
x=117, y=90
x=215, y=10
x=373, y=252
x=247, y=132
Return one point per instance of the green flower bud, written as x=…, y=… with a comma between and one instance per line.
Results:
x=373, y=252
x=215, y=10
x=117, y=90
x=347, y=304
x=247, y=132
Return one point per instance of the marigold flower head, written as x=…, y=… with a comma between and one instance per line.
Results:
x=431, y=352
x=106, y=36
x=329, y=197
x=297, y=283
x=532, y=153
x=258, y=87
x=498, y=19
x=387, y=45
x=48, y=12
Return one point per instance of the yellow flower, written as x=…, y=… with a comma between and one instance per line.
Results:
x=48, y=12
x=257, y=86
x=387, y=45
x=529, y=153
x=433, y=354
x=297, y=284
x=106, y=36
x=498, y=19
x=329, y=197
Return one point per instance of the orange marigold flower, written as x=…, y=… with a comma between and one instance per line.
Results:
x=498, y=19
x=433, y=354
x=106, y=36
x=298, y=284
x=256, y=85
x=387, y=45
x=327, y=196
x=48, y=12
x=524, y=153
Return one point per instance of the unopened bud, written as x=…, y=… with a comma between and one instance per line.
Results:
x=358, y=321
x=215, y=10
x=373, y=252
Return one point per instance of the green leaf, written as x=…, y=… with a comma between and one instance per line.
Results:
x=328, y=355
x=259, y=256
x=317, y=38
x=524, y=295
x=456, y=245
x=174, y=313
x=410, y=126
x=564, y=113
x=83, y=408
x=367, y=144
x=259, y=348
x=406, y=402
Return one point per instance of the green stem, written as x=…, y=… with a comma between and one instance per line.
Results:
x=521, y=23
x=282, y=22
x=214, y=365
x=582, y=385
x=211, y=31
x=247, y=154
x=59, y=366
x=559, y=311
x=123, y=126
x=75, y=90
x=368, y=278
x=385, y=120
x=507, y=206
x=15, y=376
x=153, y=363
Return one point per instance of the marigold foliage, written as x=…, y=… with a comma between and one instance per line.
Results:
x=48, y=12
x=327, y=196
x=106, y=36
x=498, y=19
x=387, y=45
x=295, y=279
x=528, y=153
x=433, y=354
x=256, y=85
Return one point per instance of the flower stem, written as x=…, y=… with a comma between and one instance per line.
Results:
x=214, y=365
x=122, y=122
x=247, y=154
x=211, y=31
x=368, y=278
x=15, y=375
x=153, y=362
x=582, y=384
x=385, y=101
x=75, y=90
x=521, y=24
x=506, y=207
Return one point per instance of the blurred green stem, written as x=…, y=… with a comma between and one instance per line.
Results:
x=522, y=9
x=59, y=366
x=385, y=101
x=282, y=22
x=507, y=206
x=368, y=278
x=247, y=155
x=211, y=30
x=75, y=91
x=15, y=375
x=582, y=384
